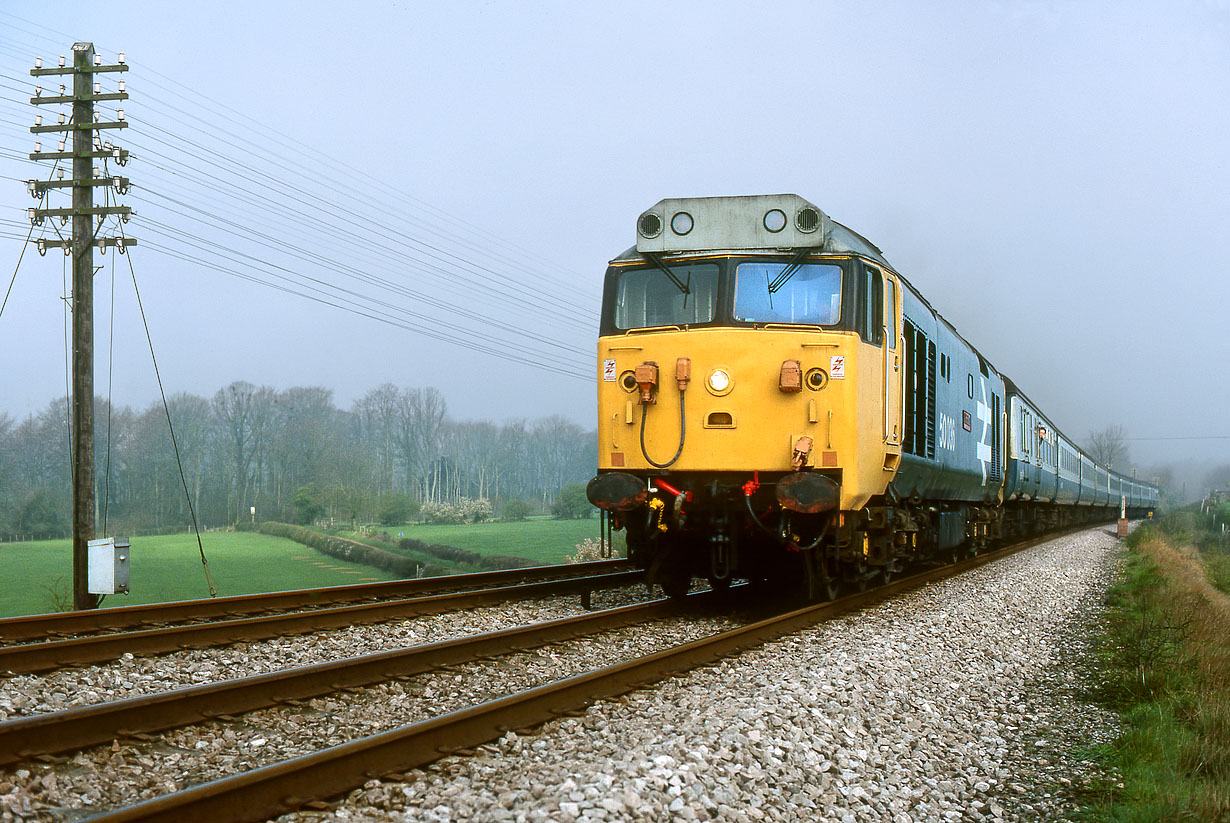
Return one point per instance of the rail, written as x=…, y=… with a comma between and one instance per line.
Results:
x=63, y=624
x=281, y=787
x=55, y=732
x=78, y=651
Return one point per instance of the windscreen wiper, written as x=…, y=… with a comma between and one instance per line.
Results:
x=793, y=266
x=679, y=284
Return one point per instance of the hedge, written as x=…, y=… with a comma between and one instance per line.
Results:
x=353, y=551
x=465, y=556
x=503, y=561
x=356, y=552
x=450, y=553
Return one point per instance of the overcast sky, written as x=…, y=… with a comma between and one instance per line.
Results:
x=1051, y=176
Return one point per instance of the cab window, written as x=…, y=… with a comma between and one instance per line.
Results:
x=649, y=297
x=768, y=292
x=871, y=306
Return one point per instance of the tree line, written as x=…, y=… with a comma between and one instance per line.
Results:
x=290, y=454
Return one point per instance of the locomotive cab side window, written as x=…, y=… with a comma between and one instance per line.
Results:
x=891, y=294
x=871, y=306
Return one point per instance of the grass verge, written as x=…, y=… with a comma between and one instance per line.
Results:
x=36, y=577
x=1165, y=667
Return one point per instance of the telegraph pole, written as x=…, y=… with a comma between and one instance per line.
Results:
x=86, y=148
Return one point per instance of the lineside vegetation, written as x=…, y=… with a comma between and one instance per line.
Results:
x=1165, y=668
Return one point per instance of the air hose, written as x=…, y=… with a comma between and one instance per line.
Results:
x=682, y=434
x=790, y=544
x=813, y=544
x=747, y=501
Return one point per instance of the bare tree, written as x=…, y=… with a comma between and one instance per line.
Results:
x=555, y=444
x=245, y=415
x=192, y=417
x=253, y=446
x=1109, y=447
x=474, y=446
x=304, y=431
x=377, y=415
x=420, y=418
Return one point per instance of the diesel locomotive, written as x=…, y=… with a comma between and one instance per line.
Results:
x=776, y=401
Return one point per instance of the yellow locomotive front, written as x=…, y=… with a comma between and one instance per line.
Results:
x=749, y=390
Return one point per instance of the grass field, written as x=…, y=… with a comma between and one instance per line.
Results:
x=36, y=577
x=547, y=541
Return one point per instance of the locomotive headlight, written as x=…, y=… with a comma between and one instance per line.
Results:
x=816, y=379
x=775, y=220
x=719, y=382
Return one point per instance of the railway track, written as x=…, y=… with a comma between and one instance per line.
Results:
x=95, y=648
x=41, y=627
x=283, y=786
x=55, y=732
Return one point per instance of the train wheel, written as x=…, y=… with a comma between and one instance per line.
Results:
x=810, y=577
x=855, y=574
x=882, y=575
x=676, y=586
x=672, y=574
x=825, y=574
x=952, y=554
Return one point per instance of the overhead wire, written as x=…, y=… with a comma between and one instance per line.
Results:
x=351, y=271
x=439, y=253
x=277, y=194
x=377, y=241
x=213, y=592
x=21, y=255
x=283, y=274
x=16, y=268
x=333, y=263
x=465, y=239
x=371, y=314
x=199, y=123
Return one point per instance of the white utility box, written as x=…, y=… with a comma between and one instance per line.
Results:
x=108, y=566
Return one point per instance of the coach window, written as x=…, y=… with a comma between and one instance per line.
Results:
x=969, y=385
